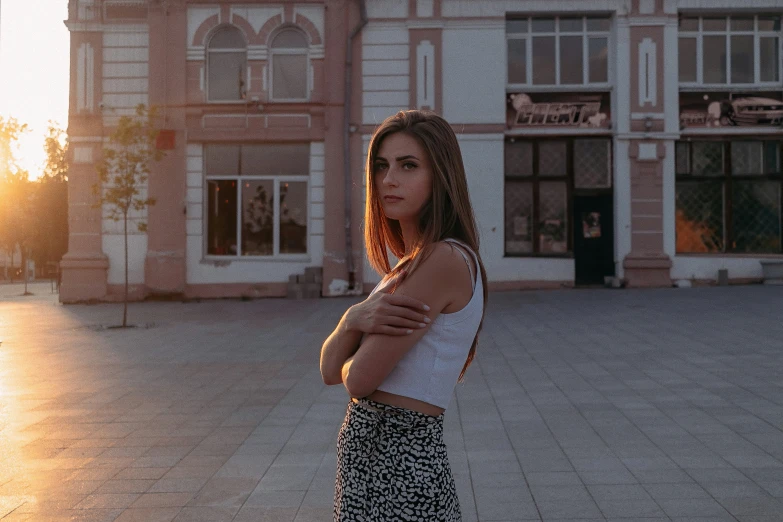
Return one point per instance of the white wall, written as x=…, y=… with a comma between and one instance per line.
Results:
x=249, y=270
x=706, y=267
x=387, y=8
x=113, y=241
x=385, y=71
x=474, y=74
x=125, y=72
x=622, y=204
x=483, y=157
x=114, y=248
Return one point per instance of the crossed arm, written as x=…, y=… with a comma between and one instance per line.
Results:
x=361, y=366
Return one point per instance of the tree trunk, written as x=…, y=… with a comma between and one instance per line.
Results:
x=125, y=297
x=25, y=256
x=13, y=251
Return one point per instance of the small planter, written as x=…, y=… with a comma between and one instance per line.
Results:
x=772, y=271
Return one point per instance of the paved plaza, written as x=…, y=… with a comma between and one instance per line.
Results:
x=588, y=405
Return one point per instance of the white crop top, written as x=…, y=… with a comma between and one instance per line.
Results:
x=429, y=371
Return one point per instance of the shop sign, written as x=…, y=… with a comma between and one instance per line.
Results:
x=720, y=109
x=590, y=110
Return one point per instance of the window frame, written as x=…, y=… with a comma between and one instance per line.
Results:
x=276, y=181
x=208, y=52
x=273, y=51
x=585, y=34
x=726, y=180
x=534, y=180
x=757, y=34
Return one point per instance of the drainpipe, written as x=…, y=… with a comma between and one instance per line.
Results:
x=347, y=146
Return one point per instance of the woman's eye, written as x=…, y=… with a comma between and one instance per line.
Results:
x=409, y=166
x=379, y=167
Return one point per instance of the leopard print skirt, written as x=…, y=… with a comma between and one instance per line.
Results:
x=392, y=466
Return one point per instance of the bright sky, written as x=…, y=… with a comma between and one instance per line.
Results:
x=34, y=71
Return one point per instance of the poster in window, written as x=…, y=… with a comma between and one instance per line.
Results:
x=591, y=225
x=725, y=109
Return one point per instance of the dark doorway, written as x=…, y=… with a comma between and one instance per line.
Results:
x=593, y=238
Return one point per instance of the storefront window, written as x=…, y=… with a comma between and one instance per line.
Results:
x=728, y=196
x=540, y=176
x=722, y=50
x=558, y=50
x=271, y=183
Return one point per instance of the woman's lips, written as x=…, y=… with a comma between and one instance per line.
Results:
x=392, y=199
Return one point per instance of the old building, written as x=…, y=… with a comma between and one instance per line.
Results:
x=635, y=139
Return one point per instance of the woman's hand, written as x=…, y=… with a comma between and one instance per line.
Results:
x=389, y=314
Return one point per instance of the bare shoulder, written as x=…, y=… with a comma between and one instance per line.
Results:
x=437, y=273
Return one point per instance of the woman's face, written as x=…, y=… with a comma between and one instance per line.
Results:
x=403, y=176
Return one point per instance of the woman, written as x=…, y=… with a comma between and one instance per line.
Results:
x=400, y=352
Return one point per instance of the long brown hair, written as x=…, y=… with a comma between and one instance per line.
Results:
x=448, y=214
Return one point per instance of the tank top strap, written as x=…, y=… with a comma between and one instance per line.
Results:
x=465, y=257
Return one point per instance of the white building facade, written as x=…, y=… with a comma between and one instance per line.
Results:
x=633, y=139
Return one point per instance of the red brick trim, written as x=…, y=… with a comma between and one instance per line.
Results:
x=200, y=38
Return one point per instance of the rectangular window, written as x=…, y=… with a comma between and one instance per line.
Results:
x=257, y=199
x=558, y=50
x=729, y=50
x=540, y=176
x=289, y=73
x=728, y=196
x=688, y=61
x=517, y=60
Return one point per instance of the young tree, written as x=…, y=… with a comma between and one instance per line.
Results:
x=123, y=171
x=50, y=241
x=11, y=176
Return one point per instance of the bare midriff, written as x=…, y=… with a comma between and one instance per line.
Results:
x=405, y=402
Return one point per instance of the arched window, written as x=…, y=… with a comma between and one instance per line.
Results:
x=290, y=66
x=226, y=65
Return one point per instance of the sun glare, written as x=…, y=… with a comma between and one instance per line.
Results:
x=34, y=58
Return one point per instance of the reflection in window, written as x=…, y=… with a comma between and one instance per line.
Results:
x=769, y=59
x=290, y=65
x=553, y=217
x=729, y=50
x=756, y=217
x=707, y=158
x=742, y=62
x=518, y=218
x=687, y=63
x=517, y=61
x=563, y=50
x=293, y=218
x=258, y=218
x=226, y=65
x=570, y=59
x=714, y=62
x=271, y=183
x=733, y=210
x=537, y=194
x=599, y=59
x=222, y=217
x=544, y=60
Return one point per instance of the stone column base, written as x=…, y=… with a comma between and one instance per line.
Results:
x=647, y=270
x=83, y=278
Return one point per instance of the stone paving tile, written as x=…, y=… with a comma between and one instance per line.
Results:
x=590, y=405
x=206, y=514
x=148, y=515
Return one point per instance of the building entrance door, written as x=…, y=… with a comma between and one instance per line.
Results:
x=593, y=238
